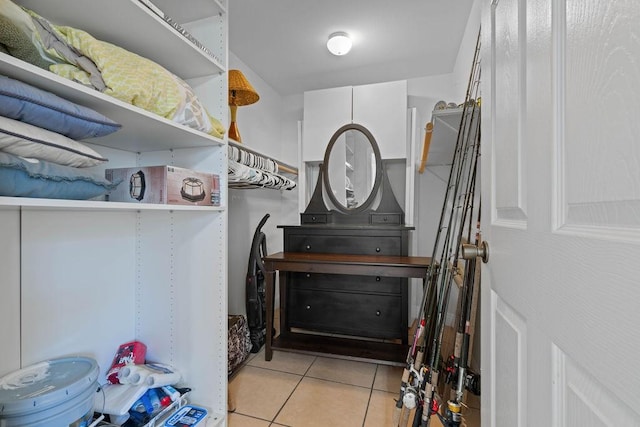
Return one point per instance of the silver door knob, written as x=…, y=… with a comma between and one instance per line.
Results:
x=470, y=251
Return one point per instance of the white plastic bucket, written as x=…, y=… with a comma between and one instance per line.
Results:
x=57, y=392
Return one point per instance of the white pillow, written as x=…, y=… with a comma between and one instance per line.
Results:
x=23, y=139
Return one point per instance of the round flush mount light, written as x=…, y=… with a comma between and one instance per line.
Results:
x=339, y=43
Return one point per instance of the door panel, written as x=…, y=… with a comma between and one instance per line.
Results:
x=579, y=400
x=508, y=112
x=561, y=177
x=510, y=339
x=597, y=68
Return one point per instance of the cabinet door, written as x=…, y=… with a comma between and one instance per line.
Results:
x=325, y=111
x=382, y=108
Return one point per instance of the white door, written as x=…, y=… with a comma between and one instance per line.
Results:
x=561, y=213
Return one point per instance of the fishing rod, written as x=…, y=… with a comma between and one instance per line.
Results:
x=420, y=376
x=408, y=392
x=412, y=377
x=459, y=373
x=456, y=367
x=413, y=374
x=453, y=417
x=414, y=386
x=449, y=259
x=467, y=380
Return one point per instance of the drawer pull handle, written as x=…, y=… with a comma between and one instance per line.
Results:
x=377, y=249
x=308, y=247
x=378, y=313
x=378, y=278
x=313, y=218
x=308, y=275
x=308, y=307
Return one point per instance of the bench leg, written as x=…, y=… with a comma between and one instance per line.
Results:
x=270, y=290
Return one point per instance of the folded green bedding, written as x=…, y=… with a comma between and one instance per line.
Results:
x=75, y=54
x=16, y=32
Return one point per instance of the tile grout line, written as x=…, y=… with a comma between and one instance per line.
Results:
x=302, y=377
x=306, y=375
x=366, y=412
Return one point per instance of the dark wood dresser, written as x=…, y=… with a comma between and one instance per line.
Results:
x=362, y=306
x=344, y=271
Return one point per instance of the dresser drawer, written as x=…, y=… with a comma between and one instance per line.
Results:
x=375, y=316
x=345, y=244
x=378, y=218
x=347, y=283
x=314, y=218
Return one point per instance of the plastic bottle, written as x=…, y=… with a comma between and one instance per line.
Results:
x=143, y=404
x=171, y=392
x=154, y=398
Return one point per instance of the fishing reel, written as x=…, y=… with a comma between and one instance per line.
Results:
x=452, y=415
x=410, y=398
x=472, y=382
x=452, y=370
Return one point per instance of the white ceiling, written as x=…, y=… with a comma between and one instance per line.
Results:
x=284, y=41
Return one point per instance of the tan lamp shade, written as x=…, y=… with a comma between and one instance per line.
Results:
x=240, y=90
x=240, y=93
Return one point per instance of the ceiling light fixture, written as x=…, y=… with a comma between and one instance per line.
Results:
x=339, y=43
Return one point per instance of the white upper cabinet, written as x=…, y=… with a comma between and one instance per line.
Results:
x=381, y=108
x=325, y=111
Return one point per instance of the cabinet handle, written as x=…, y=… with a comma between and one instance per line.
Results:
x=377, y=278
x=308, y=275
x=313, y=218
x=378, y=313
x=377, y=249
x=308, y=247
x=308, y=307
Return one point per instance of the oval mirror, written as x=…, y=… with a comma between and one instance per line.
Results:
x=353, y=168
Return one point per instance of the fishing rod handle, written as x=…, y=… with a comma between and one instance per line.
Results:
x=405, y=417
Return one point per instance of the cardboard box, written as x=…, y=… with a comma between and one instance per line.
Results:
x=161, y=184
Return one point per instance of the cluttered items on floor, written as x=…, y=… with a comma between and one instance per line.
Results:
x=140, y=393
x=67, y=391
x=239, y=342
x=56, y=392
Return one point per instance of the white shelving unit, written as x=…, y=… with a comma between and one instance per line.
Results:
x=446, y=124
x=83, y=277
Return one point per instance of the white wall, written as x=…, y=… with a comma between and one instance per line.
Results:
x=464, y=60
x=265, y=126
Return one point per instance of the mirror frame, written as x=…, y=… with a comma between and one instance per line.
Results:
x=378, y=178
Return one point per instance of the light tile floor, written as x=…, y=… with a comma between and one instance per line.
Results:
x=299, y=390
